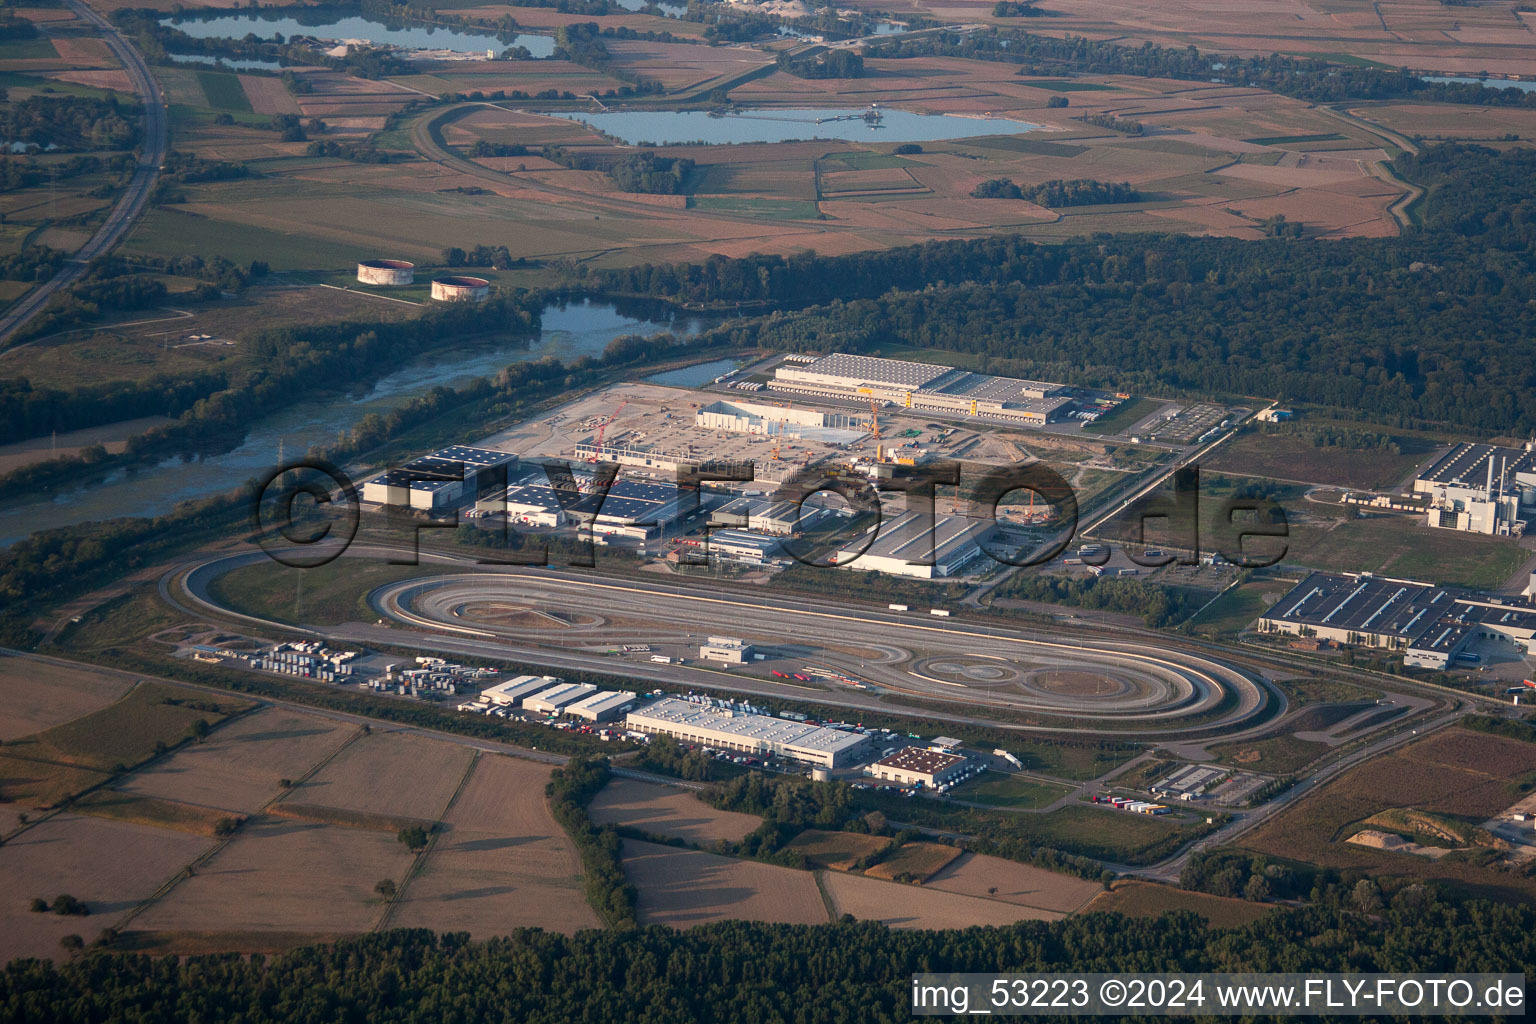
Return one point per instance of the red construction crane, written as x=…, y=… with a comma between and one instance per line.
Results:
x=602, y=430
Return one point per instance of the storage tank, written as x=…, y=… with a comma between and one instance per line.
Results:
x=388, y=273
x=821, y=775
x=460, y=289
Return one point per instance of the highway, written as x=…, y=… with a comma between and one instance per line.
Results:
x=152, y=150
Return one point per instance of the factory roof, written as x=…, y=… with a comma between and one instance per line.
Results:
x=984, y=387
x=1364, y=604
x=416, y=480
x=520, y=686
x=627, y=499
x=908, y=537
x=605, y=700
x=674, y=712
x=1428, y=616
x=560, y=696
x=916, y=759
x=743, y=538
x=1468, y=464
x=874, y=370
x=470, y=455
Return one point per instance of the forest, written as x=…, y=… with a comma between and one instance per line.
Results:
x=71, y=123
x=740, y=971
x=1376, y=328
x=1307, y=78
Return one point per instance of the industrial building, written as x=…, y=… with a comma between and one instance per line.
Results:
x=602, y=707
x=741, y=546
x=918, y=545
x=460, y=289
x=511, y=692
x=1481, y=488
x=760, y=735
x=631, y=508
x=554, y=700
x=727, y=649
x=1429, y=624
x=776, y=518
x=925, y=387
x=386, y=273
x=642, y=456
x=783, y=421
x=445, y=479
x=915, y=766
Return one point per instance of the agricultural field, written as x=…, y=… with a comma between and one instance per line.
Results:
x=666, y=811
x=36, y=695
x=1011, y=882
x=501, y=862
x=1453, y=121
x=683, y=888
x=109, y=866
x=150, y=343
x=1236, y=608
x=397, y=776
x=284, y=876
x=128, y=731
x=1144, y=899
x=913, y=862
x=1466, y=775
x=870, y=899
x=839, y=851
x=1401, y=546
x=240, y=767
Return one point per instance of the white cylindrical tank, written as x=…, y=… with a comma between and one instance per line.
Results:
x=388, y=273
x=821, y=775
x=460, y=289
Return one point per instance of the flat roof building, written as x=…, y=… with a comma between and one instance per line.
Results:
x=446, y=478
x=510, y=692
x=631, y=508
x=916, y=766
x=1481, y=488
x=926, y=387
x=913, y=544
x=604, y=706
x=727, y=649
x=553, y=700
x=1429, y=624
x=761, y=735
x=741, y=546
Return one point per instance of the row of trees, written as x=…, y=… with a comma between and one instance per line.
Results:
x=570, y=789
x=1157, y=606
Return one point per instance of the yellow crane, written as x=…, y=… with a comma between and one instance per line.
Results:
x=874, y=420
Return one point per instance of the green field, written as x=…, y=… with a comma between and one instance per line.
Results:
x=1278, y=754
x=224, y=91
x=327, y=595
x=1070, y=85
x=1000, y=789
x=863, y=161
x=1281, y=140
x=1232, y=611
x=28, y=49
x=1034, y=147
x=152, y=716
x=165, y=231
x=1123, y=416
x=770, y=209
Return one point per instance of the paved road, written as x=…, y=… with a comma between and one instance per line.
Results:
x=151, y=155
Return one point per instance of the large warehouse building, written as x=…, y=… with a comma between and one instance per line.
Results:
x=445, y=479
x=913, y=544
x=632, y=508
x=1481, y=488
x=752, y=734
x=925, y=387
x=782, y=421
x=1429, y=624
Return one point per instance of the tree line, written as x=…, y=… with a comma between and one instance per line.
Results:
x=852, y=972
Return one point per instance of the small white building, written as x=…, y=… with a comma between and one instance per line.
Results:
x=603, y=706
x=916, y=766
x=554, y=700
x=511, y=692
x=727, y=649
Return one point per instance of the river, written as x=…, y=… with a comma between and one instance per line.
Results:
x=569, y=331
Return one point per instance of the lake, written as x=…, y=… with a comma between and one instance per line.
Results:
x=572, y=330
x=237, y=63
x=695, y=376
x=646, y=127
x=1492, y=83
x=333, y=23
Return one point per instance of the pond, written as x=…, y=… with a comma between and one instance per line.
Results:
x=695, y=376
x=1492, y=83
x=637, y=127
x=334, y=23
x=668, y=9
x=569, y=331
x=236, y=63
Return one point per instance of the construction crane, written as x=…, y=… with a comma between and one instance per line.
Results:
x=602, y=431
x=874, y=419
